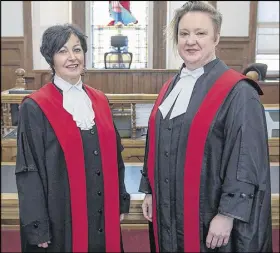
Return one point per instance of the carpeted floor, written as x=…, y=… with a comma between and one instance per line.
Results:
x=134, y=240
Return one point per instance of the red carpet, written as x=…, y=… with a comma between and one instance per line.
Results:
x=134, y=240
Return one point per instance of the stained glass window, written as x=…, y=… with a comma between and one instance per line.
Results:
x=133, y=23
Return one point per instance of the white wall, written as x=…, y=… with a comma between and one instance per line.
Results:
x=235, y=18
x=11, y=19
x=173, y=60
x=235, y=23
x=44, y=15
x=47, y=13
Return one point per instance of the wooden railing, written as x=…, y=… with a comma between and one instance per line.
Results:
x=122, y=105
x=125, y=103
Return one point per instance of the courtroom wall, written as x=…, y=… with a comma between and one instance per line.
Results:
x=45, y=14
x=11, y=19
x=236, y=15
x=60, y=12
x=21, y=47
x=12, y=41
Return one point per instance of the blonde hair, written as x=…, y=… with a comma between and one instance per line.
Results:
x=192, y=6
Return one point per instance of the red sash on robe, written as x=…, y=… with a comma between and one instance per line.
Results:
x=50, y=101
x=198, y=133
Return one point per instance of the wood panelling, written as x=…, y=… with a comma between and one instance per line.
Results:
x=234, y=52
x=8, y=150
x=12, y=58
x=252, y=30
x=148, y=81
x=274, y=150
x=114, y=81
x=78, y=14
x=16, y=52
x=271, y=92
x=27, y=26
x=159, y=41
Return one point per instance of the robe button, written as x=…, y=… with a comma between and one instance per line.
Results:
x=99, y=193
x=95, y=152
x=36, y=225
x=251, y=196
x=166, y=180
x=166, y=154
x=98, y=172
x=100, y=211
x=169, y=128
x=100, y=230
x=92, y=131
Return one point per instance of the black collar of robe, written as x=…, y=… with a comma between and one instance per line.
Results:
x=207, y=67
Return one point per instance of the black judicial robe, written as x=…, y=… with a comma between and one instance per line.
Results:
x=213, y=159
x=70, y=181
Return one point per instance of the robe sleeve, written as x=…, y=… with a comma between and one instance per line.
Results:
x=124, y=196
x=33, y=212
x=245, y=159
x=144, y=183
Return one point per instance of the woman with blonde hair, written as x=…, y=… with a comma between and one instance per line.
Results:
x=206, y=173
